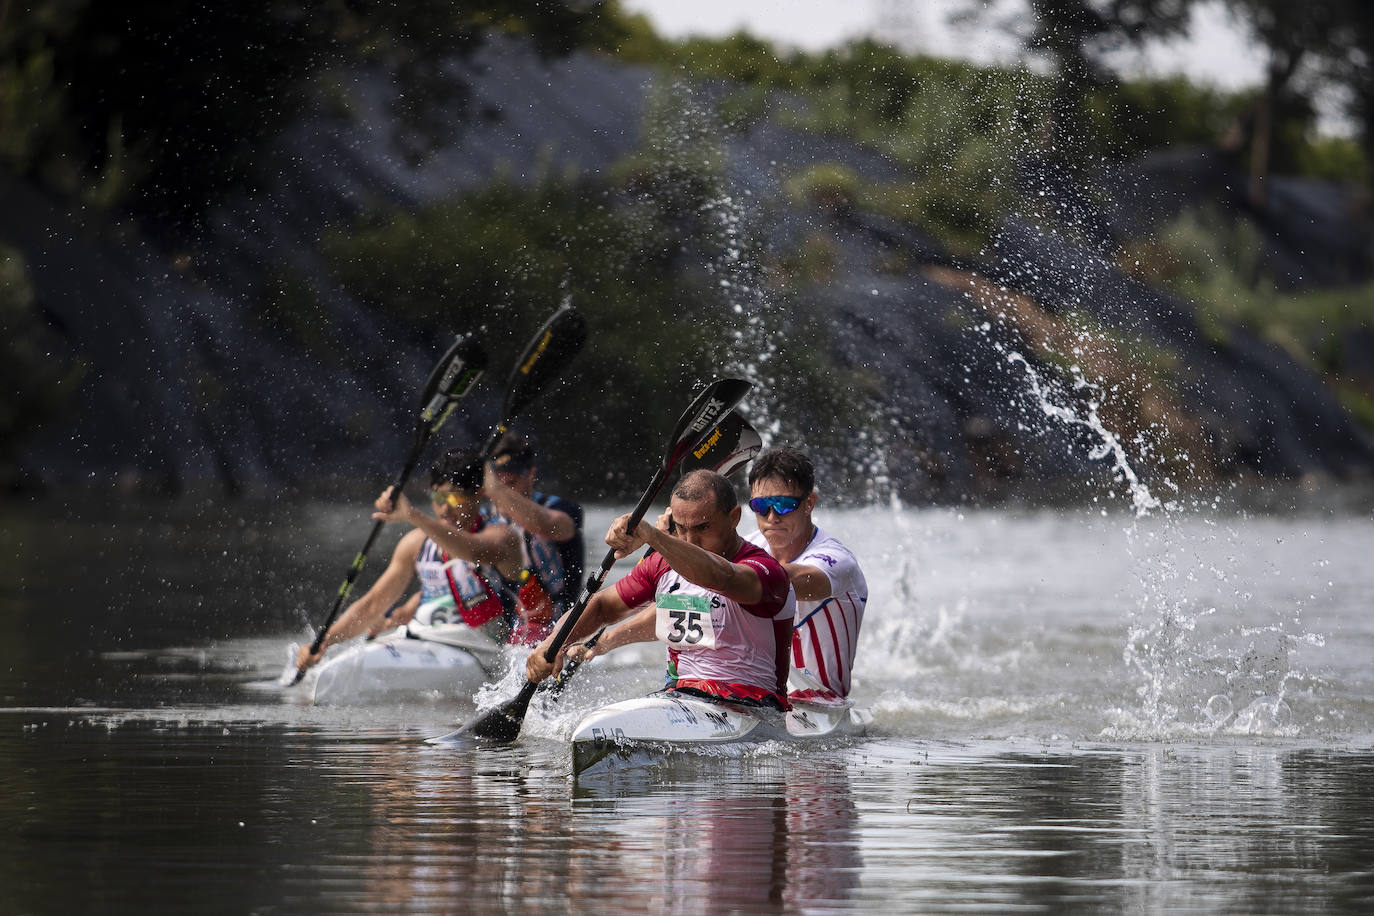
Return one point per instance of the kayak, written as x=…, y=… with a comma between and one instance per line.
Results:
x=451, y=659
x=651, y=727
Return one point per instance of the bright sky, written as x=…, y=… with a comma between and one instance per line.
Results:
x=1216, y=53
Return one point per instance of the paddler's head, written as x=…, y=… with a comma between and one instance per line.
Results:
x=782, y=491
x=513, y=463
x=455, y=484
x=706, y=512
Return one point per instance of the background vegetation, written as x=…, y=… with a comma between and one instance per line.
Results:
x=153, y=113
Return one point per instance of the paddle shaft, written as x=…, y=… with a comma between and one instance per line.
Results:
x=594, y=581
x=422, y=434
x=711, y=404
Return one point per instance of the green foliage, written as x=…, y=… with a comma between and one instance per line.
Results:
x=196, y=91
x=1335, y=159
x=1135, y=116
x=1216, y=260
x=502, y=258
x=38, y=380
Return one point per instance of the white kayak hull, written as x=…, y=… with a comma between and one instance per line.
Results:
x=663, y=724
x=412, y=661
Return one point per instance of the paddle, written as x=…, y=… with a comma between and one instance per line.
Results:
x=544, y=357
x=729, y=447
x=450, y=380
x=503, y=723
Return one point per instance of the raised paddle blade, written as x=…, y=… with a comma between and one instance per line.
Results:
x=558, y=341
x=710, y=407
x=451, y=379
x=729, y=447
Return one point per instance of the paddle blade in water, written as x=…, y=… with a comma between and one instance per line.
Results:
x=502, y=724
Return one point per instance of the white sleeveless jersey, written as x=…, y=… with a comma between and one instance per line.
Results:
x=825, y=633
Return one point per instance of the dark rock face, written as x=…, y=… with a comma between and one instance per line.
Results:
x=187, y=386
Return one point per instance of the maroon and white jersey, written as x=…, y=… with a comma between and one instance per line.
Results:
x=747, y=644
x=826, y=632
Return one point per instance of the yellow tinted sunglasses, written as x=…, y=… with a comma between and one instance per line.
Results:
x=451, y=498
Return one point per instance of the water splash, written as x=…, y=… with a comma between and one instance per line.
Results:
x=1109, y=445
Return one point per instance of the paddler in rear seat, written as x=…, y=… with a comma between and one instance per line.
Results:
x=830, y=586
x=723, y=606
x=460, y=558
x=551, y=537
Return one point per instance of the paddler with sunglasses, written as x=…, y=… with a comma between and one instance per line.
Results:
x=461, y=559
x=825, y=574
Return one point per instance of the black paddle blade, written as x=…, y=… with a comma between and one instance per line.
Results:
x=729, y=447
x=710, y=407
x=451, y=379
x=548, y=354
x=502, y=724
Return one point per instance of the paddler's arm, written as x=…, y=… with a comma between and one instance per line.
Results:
x=554, y=524
x=640, y=627
x=367, y=614
x=700, y=567
x=397, y=615
x=809, y=582
x=605, y=607
x=498, y=545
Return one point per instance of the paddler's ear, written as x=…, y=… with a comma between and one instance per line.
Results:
x=735, y=515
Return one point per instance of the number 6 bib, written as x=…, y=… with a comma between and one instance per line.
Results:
x=684, y=622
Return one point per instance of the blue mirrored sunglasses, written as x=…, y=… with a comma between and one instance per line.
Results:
x=782, y=505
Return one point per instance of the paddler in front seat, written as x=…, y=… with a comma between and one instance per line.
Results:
x=723, y=606
x=459, y=557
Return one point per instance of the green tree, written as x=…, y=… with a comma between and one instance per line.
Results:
x=179, y=97
x=1292, y=35
x=1077, y=35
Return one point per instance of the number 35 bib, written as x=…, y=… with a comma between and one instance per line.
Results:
x=684, y=622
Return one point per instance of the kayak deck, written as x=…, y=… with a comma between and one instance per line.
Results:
x=641, y=730
x=414, y=659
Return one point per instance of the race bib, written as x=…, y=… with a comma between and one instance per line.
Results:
x=438, y=610
x=684, y=622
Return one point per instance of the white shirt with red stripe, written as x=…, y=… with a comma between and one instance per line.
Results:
x=825, y=633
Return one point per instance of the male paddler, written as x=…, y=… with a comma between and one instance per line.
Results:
x=551, y=536
x=830, y=586
x=722, y=605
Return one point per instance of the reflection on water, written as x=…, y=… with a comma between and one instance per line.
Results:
x=777, y=832
x=141, y=816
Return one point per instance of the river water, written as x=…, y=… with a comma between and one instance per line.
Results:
x=1073, y=710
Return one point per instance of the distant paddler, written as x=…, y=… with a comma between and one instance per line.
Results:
x=722, y=605
x=461, y=559
x=550, y=532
